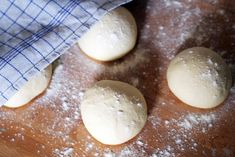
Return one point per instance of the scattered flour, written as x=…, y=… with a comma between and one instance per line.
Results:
x=66, y=152
x=167, y=40
x=193, y=120
x=167, y=152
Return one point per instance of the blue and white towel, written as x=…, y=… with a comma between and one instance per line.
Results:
x=33, y=33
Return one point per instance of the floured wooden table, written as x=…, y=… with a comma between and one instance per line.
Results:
x=52, y=125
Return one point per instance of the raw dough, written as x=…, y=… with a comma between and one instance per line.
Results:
x=199, y=77
x=113, y=112
x=112, y=37
x=35, y=86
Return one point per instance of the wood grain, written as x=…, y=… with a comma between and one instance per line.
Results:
x=51, y=125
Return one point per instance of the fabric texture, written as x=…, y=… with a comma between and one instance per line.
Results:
x=33, y=33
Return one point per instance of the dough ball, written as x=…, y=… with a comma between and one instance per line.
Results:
x=34, y=87
x=113, y=36
x=113, y=112
x=199, y=77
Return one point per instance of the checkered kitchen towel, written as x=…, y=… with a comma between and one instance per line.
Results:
x=33, y=33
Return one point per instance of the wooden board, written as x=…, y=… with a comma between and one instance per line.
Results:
x=52, y=126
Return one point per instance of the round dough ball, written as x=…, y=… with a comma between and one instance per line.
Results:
x=34, y=87
x=113, y=36
x=199, y=77
x=113, y=112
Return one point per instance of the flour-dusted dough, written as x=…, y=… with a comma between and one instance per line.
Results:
x=35, y=86
x=113, y=112
x=199, y=77
x=112, y=37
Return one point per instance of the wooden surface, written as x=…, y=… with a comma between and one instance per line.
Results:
x=52, y=125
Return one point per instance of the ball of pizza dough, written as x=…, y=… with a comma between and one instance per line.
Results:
x=113, y=36
x=199, y=77
x=34, y=87
x=113, y=112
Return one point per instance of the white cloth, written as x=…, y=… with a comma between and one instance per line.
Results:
x=33, y=33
